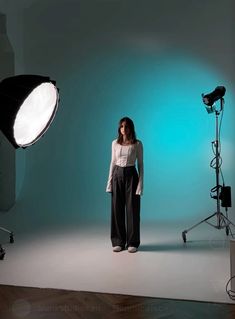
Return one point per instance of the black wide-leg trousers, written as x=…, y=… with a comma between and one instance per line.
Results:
x=125, y=219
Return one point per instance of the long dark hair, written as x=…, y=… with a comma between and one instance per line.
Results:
x=132, y=135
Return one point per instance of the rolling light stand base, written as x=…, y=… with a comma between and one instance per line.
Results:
x=222, y=222
x=11, y=240
x=2, y=253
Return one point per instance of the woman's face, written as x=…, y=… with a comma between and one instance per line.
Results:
x=124, y=129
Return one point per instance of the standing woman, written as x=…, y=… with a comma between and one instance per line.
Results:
x=126, y=186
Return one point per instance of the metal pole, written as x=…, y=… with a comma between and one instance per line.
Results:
x=217, y=170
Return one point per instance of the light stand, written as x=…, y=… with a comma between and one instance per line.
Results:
x=222, y=221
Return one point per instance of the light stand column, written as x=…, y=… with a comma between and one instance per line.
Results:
x=217, y=168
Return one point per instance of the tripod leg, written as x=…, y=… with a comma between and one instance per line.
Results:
x=228, y=231
x=202, y=221
x=184, y=236
x=227, y=223
x=228, y=220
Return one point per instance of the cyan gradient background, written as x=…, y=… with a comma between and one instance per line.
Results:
x=149, y=60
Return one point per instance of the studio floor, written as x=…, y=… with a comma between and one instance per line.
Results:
x=81, y=258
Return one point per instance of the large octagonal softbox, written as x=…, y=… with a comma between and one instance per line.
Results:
x=28, y=104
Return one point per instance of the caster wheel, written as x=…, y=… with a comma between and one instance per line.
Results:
x=2, y=253
x=184, y=236
x=11, y=238
x=227, y=230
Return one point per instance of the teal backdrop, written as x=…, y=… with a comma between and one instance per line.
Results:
x=113, y=59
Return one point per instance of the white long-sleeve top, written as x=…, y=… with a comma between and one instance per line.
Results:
x=127, y=155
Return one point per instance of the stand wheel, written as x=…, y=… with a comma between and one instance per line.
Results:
x=11, y=238
x=2, y=253
x=227, y=230
x=184, y=236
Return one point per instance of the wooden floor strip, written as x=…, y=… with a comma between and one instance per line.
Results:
x=38, y=303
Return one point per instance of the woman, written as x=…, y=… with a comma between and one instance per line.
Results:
x=126, y=186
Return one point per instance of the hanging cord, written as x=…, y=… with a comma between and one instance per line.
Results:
x=213, y=161
x=231, y=293
x=220, y=160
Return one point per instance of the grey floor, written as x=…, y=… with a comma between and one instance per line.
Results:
x=81, y=258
